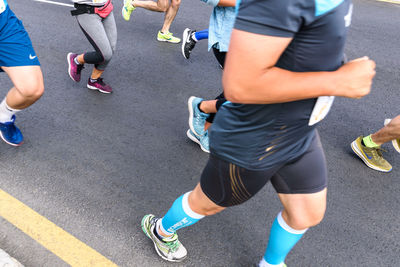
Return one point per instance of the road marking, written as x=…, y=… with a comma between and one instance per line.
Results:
x=54, y=3
x=390, y=1
x=49, y=235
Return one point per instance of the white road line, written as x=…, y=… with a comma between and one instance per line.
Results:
x=54, y=3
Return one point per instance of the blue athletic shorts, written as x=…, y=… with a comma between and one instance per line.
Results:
x=15, y=46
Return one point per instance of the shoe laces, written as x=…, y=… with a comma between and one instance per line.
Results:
x=376, y=152
x=101, y=82
x=172, y=242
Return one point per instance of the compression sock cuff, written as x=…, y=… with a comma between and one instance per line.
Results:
x=368, y=142
x=179, y=215
x=287, y=228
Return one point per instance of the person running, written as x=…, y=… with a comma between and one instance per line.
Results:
x=267, y=128
x=19, y=60
x=202, y=112
x=170, y=10
x=96, y=20
x=368, y=148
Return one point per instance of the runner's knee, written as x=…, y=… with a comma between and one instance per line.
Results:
x=175, y=3
x=201, y=204
x=162, y=6
x=31, y=87
x=305, y=219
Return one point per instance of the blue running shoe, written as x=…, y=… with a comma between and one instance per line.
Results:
x=197, y=119
x=201, y=140
x=10, y=133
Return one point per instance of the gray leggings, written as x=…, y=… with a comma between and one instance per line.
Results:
x=102, y=34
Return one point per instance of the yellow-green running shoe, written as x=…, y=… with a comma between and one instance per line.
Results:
x=395, y=142
x=167, y=37
x=127, y=9
x=168, y=248
x=372, y=157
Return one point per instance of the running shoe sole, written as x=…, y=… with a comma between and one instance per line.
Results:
x=12, y=144
x=191, y=112
x=194, y=139
x=69, y=67
x=95, y=88
x=184, y=38
x=394, y=142
x=144, y=229
x=361, y=156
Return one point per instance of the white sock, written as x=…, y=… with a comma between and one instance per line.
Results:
x=264, y=263
x=6, y=112
x=76, y=61
x=194, y=37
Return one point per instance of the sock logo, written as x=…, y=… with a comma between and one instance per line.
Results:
x=182, y=222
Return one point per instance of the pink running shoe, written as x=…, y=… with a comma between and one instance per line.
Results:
x=99, y=85
x=74, y=70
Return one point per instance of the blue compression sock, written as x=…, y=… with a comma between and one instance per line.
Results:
x=282, y=239
x=201, y=35
x=179, y=215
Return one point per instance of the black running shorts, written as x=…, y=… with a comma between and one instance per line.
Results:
x=227, y=184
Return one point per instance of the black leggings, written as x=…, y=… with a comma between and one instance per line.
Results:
x=220, y=56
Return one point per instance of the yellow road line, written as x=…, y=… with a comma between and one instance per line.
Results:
x=390, y=1
x=49, y=235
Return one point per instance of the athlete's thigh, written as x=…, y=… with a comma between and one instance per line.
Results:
x=305, y=175
x=15, y=45
x=25, y=77
x=111, y=30
x=163, y=3
x=94, y=31
x=227, y=184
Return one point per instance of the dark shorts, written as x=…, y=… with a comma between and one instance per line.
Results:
x=227, y=184
x=15, y=46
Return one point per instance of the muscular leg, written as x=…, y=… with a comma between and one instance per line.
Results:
x=28, y=86
x=198, y=203
x=170, y=15
x=159, y=6
x=387, y=133
x=301, y=211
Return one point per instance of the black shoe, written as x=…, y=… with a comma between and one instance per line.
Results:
x=188, y=42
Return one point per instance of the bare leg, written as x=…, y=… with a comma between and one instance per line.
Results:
x=209, y=106
x=81, y=59
x=200, y=204
x=96, y=73
x=302, y=211
x=159, y=6
x=28, y=86
x=170, y=15
x=387, y=133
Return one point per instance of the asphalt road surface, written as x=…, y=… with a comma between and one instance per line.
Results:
x=94, y=164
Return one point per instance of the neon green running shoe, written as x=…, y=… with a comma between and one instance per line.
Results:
x=372, y=157
x=168, y=248
x=395, y=142
x=127, y=9
x=167, y=37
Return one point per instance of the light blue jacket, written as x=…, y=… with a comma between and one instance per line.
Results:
x=221, y=24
